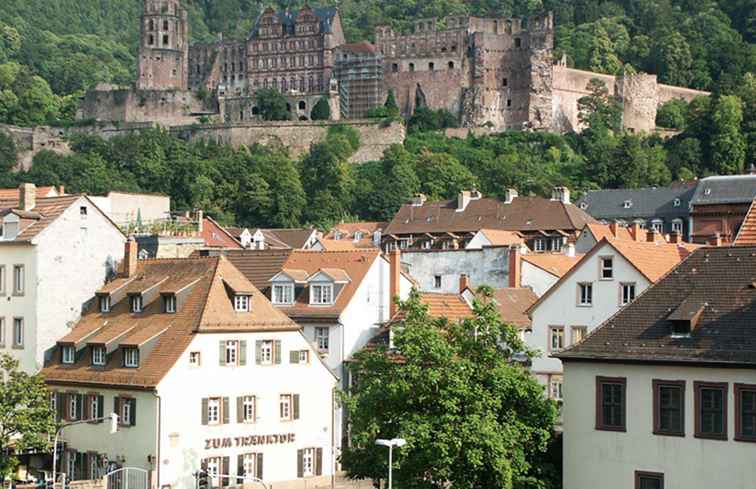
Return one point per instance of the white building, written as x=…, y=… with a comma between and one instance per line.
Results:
x=606, y=279
x=127, y=207
x=204, y=373
x=54, y=253
x=663, y=394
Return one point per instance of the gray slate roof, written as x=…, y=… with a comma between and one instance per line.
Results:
x=646, y=202
x=288, y=19
x=730, y=189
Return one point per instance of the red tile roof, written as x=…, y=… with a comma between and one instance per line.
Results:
x=556, y=264
x=217, y=236
x=513, y=304
x=13, y=193
x=747, y=233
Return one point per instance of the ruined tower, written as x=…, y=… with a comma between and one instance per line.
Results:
x=163, y=46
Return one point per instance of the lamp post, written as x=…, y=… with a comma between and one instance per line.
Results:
x=113, y=429
x=394, y=442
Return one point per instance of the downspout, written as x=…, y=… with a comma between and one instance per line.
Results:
x=333, y=438
x=159, y=429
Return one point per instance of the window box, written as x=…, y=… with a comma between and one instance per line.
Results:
x=669, y=407
x=711, y=410
x=611, y=403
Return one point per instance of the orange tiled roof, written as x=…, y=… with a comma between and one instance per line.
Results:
x=500, y=237
x=207, y=306
x=747, y=233
x=338, y=244
x=13, y=193
x=513, y=304
x=556, y=264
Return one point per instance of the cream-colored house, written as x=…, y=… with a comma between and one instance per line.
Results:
x=663, y=394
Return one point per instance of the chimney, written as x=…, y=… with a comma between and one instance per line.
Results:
x=509, y=195
x=716, y=240
x=27, y=196
x=651, y=236
x=637, y=231
x=61, y=190
x=675, y=237
x=561, y=194
x=418, y=200
x=515, y=263
x=130, y=257
x=569, y=250
x=463, y=198
x=200, y=220
x=395, y=272
x=613, y=228
x=464, y=282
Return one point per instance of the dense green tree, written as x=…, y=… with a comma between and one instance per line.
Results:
x=383, y=186
x=7, y=153
x=321, y=111
x=442, y=176
x=26, y=416
x=472, y=417
x=271, y=105
x=599, y=110
x=671, y=115
x=728, y=146
x=425, y=119
x=326, y=176
x=673, y=59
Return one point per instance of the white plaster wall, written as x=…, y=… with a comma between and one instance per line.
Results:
x=536, y=278
x=74, y=256
x=478, y=241
x=124, y=207
x=20, y=306
x=183, y=436
x=585, y=242
x=561, y=307
x=591, y=455
x=487, y=266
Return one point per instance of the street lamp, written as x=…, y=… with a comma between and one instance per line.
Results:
x=113, y=417
x=394, y=442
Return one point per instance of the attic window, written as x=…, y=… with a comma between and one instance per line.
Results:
x=136, y=303
x=98, y=355
x=685, y=318
x=707, y=191
x=627, y=204
x=283, y=294
x=321, y=294
x=583, y=205
x=104, y=303
x=169, y=303
x=131, y=357
x=676, y=203
x=68, y=354
x=241, y=303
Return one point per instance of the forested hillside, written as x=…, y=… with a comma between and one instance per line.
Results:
x=52, y=50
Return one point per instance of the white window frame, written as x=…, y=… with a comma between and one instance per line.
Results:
x=99, y=355
x=104, y=303
x=304, y=356
x=135, y=303
x=322, y=338
x=677, y=225
x=584, y=333
x=18, y=332
x=283, y=294
x=125, y=412
x=250, y=465
x=213, y=468
x=68, y=354
x=556, y=386
x=232, y=352
x=585, y=294
x=94, y=405
x=627, y=204
x=604, y=268
x=623, y=286
x=170, y=303
x=214, y=410
x=241, y=302
x=539, y=245
x=195, y=358
x=71, y=465
x=286, y=407
x=657, y=225
x=131, y=357
x=19, y=279
x=321, y=294
x=556, y=332
x=2, y=277
x=73, y=405
x=266, y=352
x=249, y=408
x=308, y=462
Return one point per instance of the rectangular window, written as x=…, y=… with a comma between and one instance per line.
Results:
x=437, y=281
x=131, y=357
x=321, y=338
x=136, y=303
x=98, y=355
x=94, y=406
x=266, y=352
x=304, y=356
x=611, y=403
x=232, y=352
x=321, y=294
x=606, y=271
x=2, y=332
x=251, y=465
x=649, y=480
x=711, y=410
x=169, y=303
x=18, y=279
x=214, y=410
x=677, y=226
x=248, y=409
x=73, y=407
x=669, y=407
x=241, y=303
x=104, y=303
x=578, y=334
x=308, y=462
x=585, y=294
x=555, y=387
x=83, y=212
x=540, y=245
x=285, y=407
x=556, y=338
x=627, y=292
x=68, y=354
x=283, y=294
x=18, y=332
x=213, y=469
x=194, y=358
x=745, y=412
x=2, y=277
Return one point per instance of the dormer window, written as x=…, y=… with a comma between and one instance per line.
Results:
x=283, y=294
x=357, y=235
x=131, y=357
x=241, y=303
x=104, y=303
x=136, y=303
x=169, y=303
x=677, y=203
x=627, y=204
x=98, y=356
x=321, y=294
x=68, y=354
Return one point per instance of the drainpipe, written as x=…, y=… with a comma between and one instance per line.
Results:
x=159, y=429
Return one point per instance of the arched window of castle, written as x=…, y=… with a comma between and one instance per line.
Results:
x=151, y=40
x=165, y=40
x=301, y=84
x=302, y=105
x=431, y=66
x=152, y=25
x=451, y=65
x=412, y=66
x=165, y=25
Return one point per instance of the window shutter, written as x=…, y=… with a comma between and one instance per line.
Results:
x=293, y=356
x=100, y=407
x=300, y=463
x=224, y=470
x=204, y=410
x=117, y=408
x=240, y=469
x=222, y=353
x=259, y=466
x=295, y=398
x=277, y=350
x=319, y=461
x=225, y=410
x=79, y=406
x=60, y=405
x=133, y=411
x=86, y=408
x=85, y=457
x=258, y=352
x=240, y=409
x=243, y=352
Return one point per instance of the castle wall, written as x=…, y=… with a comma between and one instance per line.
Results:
x=438, y=89
x=164, y=107
x=243, y=109
x=569, y=85
x=669, y=92
x=30, y=141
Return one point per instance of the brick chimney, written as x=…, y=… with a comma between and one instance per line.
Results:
x=636, y=231
x=515, y=263
x=716, y=240
x=27, y=196
x=200, y=220
x=651, y=236
x=61, y=190
x=569, y=250
x=614, y=228
x=395, y=275
x=675, y=237
x=509, y=195
x=130, y=257
x=464, y=282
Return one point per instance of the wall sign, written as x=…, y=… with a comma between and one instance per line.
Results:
x=249, y=441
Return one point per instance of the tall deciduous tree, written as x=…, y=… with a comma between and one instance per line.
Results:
x=271, y=105
x=472, y=417
x=728, y=146
x=26, y=415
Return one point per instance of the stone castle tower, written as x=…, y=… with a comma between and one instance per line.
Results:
x=163, y=46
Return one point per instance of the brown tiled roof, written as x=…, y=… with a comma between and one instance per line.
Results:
x=293, y=237
x=259, y=266
x=601, y=231
x=556, y=264
x=14, y=193
x=348, y=229
x=500, y=237
x=338, y=244
x=513, y=304
x=747, y=233
x=359, y=47
x=217, y=236
x=522, y=214
x=722, y=279
x=45, y=212
x=451, y=306
x=206, y=307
